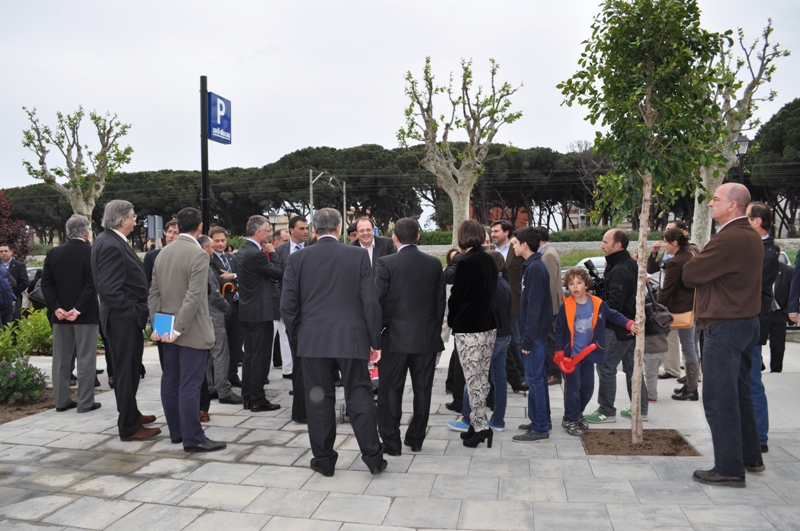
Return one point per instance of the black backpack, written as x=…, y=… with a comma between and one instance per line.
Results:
x=657, y=317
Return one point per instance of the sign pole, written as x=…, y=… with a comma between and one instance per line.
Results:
x=204, y=153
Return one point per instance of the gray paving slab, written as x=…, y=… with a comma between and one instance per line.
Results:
x=598, y=490
x=287, y=477
x=163, y=491
x=10, y=473
x=117, y=463
x=343, y=481
x=286, y=502
x=78, y=441
x=156, y=518
x=222, y=472
x=104, y=486
x=10, y=495
x=499, y=466
x=51, y=479
x=498, y=515
x=231, y=453
x=36, y=508
x=222, y=496
x=19, y=453
x=553, y=516
x=465, y=488
x=214, y=520
x=280, y=523
x=532, y=489
x=754, y=491
x=630, y=517
x=603, y=469
x=349, y=526
x=72, y=459
x=561, y=468
x=680, y=492
x=273, y=455
x=741, y=518
x=267, y=437
x=352, y=508
x=92, y=513
x=401, y=485
x=782, y=518
x=168, y=467
x=426, y=513
x=453, y=466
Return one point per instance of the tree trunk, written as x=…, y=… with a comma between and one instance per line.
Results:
x=701, y=221
x=460, y=200
x=638, y=354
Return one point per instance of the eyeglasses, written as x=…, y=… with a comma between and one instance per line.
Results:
x=267, y=230
x=364, y=231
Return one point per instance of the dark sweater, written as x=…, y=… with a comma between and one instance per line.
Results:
x=727, y=275
x=674, y=294
x=471, y=307
x=619, y=288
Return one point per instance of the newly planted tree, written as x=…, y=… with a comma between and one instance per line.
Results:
x=85, y=180
x=645, y=78
x=478, y=113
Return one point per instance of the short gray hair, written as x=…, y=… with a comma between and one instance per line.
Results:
x=115, y=212
x=326, y=220
x=77, y=226
x=204, y=240
x=253, y=224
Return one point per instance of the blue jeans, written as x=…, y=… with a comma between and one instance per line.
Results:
x=616, y=351
x=728, y=404
x=515, y=347
x=538, y=393
x=498, y=375
x=759, y=396
x=579, y=388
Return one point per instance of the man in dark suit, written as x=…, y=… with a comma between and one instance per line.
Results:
x=376, y=246
x=779, y=316
x=334, y=319
x=170, y=234
x=121, y=284
x=259, y=305
x=17, y=275
x=411, y=295
x=298, y=234
x=180, y=288
x=72, y=307
x=225, y=266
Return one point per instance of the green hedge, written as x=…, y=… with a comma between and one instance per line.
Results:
x=595, y=234
x=435, y=237
x=237, y=241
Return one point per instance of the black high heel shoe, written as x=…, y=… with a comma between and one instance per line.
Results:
x=478, y=437
x=468, y=434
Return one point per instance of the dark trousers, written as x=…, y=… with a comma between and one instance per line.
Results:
x=578, y=390
x=277, y=360
x=550, y=366
x=777, y=340
x=232, y=329
x=455, y=374
x=205, y=395
x=255, y=365
x=393, y=368
x=728, y=404
x=318, y=375
x=184, y=370
x=125, y=343
x=298, y=387
x=515, y=353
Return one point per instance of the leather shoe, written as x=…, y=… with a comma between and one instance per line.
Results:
x=710, y=477
x=326, y=473
x=413, y=448
x=147, y=419
x=269, y=406
x=97, y=382
x=755, y=467
x=231, y=399
x=204, y=416
x=665, y=376
x=287, y=376
x=71, y=405
x=764, y=448
x=111, y=382
x=300, y=421
x=553, y=380
x=96, y=405
x=393, y=453
x=213, y=396
x=176, y=441
x=380, y=468
x=141, y=435
x=235, y=381
x=452, y=406
x=208, y=446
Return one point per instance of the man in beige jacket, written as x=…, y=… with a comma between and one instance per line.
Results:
x=552, y=261
x=180, y=289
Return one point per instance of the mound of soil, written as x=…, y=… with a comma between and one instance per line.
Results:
x=618, y=442
x=18, y=411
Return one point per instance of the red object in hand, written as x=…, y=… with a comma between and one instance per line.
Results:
x=567, y=365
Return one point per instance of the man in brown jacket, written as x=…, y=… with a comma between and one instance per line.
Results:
x=727, y=275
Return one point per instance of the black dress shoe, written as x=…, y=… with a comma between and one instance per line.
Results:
x=269, y=406
x=235, y=381
x=393, y=453
x=452, y=406
x=287, y=376
x=300, y=421
x=71, y=405
x=245, y=405
x=231, y=399
x=213, y=396
x=99, y=371
x=755, y=467
x=520, y=387
x=764, y=448
x=291, y=393
x=380, y=468
x=710, y=477
x=208, y=446
x=413, y=448
x=176, y=441
x=96, y=405
x=326, y=473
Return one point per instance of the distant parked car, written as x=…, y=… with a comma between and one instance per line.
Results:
x=784, y=258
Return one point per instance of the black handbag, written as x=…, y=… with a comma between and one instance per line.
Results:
x=658, y=320
x=36, y=295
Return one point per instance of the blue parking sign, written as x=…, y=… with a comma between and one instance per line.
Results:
x=219, y=119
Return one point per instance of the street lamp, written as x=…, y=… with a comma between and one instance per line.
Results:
x=740, y=148
x=273, y=218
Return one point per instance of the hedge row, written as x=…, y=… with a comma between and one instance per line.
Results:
x=595, y=234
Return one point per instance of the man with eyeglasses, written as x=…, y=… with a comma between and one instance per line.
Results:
x=727, y=275
x=258, y=270
x=376, y=246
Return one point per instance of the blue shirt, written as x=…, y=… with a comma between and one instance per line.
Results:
x=583, y=326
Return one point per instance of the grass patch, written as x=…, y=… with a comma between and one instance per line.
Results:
x=572, y=258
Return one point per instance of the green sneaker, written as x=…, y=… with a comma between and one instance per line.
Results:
x=598, y=418
x=626, y=413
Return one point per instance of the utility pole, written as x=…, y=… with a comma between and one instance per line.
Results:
x=311, y=181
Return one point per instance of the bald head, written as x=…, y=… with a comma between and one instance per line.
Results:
x=730, y=201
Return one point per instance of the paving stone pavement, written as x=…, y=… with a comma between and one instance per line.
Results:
x=66, y=471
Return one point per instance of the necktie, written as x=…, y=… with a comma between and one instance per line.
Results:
x=228, y=268
x=297, y=247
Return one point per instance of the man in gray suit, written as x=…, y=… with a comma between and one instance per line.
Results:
x=259, y=271
x=180, y=288
x=72, y=307
x=121, y=284
x=334, y=319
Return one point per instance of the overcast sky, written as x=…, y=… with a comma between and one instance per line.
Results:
x=304, y=73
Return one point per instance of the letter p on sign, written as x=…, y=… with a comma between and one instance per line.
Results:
x=220, y=110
